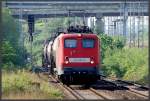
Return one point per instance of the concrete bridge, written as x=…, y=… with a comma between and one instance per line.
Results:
x=87, y=8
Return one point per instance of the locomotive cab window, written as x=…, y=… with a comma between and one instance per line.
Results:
x=70, y=43
x=88, y=43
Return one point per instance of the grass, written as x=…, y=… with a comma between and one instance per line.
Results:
x=24, y=85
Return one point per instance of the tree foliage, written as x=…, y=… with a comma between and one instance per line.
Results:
x=108, y=42
x=11, y=50
x=10, y=27
x=9, y=53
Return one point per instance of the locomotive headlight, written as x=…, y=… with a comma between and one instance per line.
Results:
x=79, y=35
x=92, y=62
x=66, y=60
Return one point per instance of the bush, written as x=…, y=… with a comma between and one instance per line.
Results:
x=129, y=63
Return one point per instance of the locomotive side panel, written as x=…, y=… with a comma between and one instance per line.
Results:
x=59, y=56
x=49, y=51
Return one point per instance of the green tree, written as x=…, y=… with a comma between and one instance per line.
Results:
x=10, y=27
x=109, y=43
x=11, y=51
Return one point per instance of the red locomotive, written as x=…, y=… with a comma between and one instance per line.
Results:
x=73, y=57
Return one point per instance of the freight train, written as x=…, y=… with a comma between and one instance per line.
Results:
x=73, y=56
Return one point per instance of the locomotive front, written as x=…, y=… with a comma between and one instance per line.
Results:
x=77, y=58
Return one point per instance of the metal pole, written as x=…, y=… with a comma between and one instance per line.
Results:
x=91, y=23
x=117, y=28
x=104, y=25
x=112, y=26
x=69, y=18
x=21, y=41
x=142, y=10
x=74, y=20
x=93, y=20
x=125, y=12
x=31, y=39
x=108, y=25
x=121, y=14
x=130, y=26
x=134, y=35
x=84, y=18
x=138, y=34
x=115, y=25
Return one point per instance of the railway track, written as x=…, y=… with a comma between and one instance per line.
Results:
x=80, y=93
x=137, y=93
x=136, y=89
x=89, y=93
x=131, y=87
x=98, y=93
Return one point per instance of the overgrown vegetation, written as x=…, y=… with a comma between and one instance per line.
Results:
x=23, y=85
x=121, y=62
x=17, y=81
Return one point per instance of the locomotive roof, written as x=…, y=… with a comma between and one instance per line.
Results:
x=79, y=29
x=67, y=35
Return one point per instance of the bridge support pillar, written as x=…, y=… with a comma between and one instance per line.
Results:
x=99, y=25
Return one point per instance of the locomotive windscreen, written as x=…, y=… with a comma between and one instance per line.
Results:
x=88, y=43
x=70, y=43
